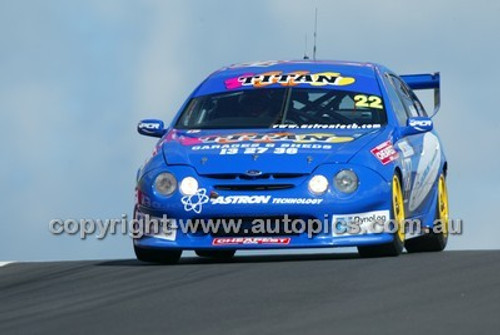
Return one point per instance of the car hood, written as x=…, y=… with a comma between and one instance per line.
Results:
x=262, y=151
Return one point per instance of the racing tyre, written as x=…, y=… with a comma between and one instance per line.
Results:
x=157, y=255
x=216, y=254
x=395, y=247
x=435, y=240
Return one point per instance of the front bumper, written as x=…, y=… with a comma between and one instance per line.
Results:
x=373, y=194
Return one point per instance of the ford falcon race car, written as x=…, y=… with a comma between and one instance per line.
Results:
x=295, y=154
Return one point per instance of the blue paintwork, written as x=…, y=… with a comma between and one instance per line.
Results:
x=175, y=153
x=422, y=81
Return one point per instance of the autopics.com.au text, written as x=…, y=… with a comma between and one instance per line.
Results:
x=286, y=225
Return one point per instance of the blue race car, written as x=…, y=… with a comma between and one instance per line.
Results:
x=295, y=154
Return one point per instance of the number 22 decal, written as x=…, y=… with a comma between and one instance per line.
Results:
x=365, y=101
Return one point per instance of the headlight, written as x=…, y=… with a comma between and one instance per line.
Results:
x=165, y=183
x=346, y=181
x=318, y=184
x=189, y=186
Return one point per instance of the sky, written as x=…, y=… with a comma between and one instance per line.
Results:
x=76, y=76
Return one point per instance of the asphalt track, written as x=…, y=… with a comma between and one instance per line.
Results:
x=434, y=293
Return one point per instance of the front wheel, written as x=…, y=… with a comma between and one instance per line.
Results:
x=395, y=247
x=160, y=256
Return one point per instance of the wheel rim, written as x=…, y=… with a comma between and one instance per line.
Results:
x=443, y=205
x=398, y=207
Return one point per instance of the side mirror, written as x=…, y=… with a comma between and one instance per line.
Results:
x=151, y=127
x=417, y=125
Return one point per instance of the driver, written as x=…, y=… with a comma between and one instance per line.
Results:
x=257, y=104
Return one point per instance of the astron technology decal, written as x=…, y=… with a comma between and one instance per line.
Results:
x=196, y=201
x=241, y=199
x=297, y=201
x=289, y=79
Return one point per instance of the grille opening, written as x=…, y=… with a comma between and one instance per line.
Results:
x=234, y=176
x=222, y=176
x=253, y=187
x=287, y=175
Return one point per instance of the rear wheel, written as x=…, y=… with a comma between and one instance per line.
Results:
x=395, y=247
x=157, y=255
x=438, y=238
x=216, y=254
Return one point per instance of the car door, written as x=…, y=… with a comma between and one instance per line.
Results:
x=421, y=155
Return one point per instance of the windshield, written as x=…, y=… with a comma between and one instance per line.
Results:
x=283, y=108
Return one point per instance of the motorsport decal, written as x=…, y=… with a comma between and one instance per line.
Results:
x=360, y=223
x=420, y=125
x=257, y=148
x=263, y=199
x=241, y=199
x=196, y=201
x=406, y=165
x=385, y=152
x=288, y=79
x=365, y=101
x=258, y=64
x=427, y=170
x=168, y=232
x=250, y=240
x=150, y=125
x=259, y=143
x=267, y=138
x=297, y=201
x=327, y=126
x=406, y=148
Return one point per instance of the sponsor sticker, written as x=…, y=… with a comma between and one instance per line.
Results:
x=250, y=240
x=258, y=148
x=427, y=171
x=166, y=230
x=195, y=202
x=150, y=125
x=272, y=138
x=297, y=201
x=406, y=148
x=359, y=223
x=385, y=152
x=328, y=126
x=278, y=143
x=420, y=124
x=241, y=199
x=288, y=79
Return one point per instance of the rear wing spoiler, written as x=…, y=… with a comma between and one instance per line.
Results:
x=425, y=82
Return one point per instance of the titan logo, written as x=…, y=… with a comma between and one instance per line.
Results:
x=295, y=78
x=277, y=137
